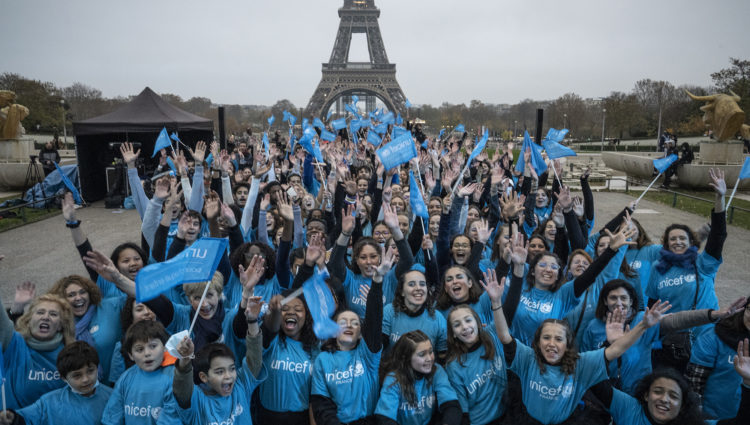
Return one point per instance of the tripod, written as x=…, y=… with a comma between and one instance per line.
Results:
x=32, y=176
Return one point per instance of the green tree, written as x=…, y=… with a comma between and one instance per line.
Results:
x=737, y=79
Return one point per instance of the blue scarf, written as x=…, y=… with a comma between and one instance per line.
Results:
x=83, y=324
x=669, y=259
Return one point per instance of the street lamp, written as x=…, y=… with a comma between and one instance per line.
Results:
x=65, y=131
x=604, y=115
x=514, y=129
x=565, y=120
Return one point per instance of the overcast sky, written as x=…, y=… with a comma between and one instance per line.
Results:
x=258, y=52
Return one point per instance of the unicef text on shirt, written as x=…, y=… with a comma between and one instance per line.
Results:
x=148, y=411
x=424, y=401
x=344, y=376
x=551, y=392
x=290, y=366
x=677, y=281
x=44, y=375
x=536, y=305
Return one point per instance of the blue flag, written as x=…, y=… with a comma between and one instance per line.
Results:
x=355, y=99
x=480, y=146
x=388, y=118
x=209, y=160
x=397, y=152
x=355, y=125
x=271, y=119
x=162, y=142
x=328, y=116
x=321, y=305
x=197, y=263
x=381, y=128
x=285, y=117
x=460, y=128
x=440, y=135
x=554, y=148
x=399, y=120
x=292, y=119
x=69, y=184
x=416, y=200
x=174, y=137
x=265, y=143
x=305, y=123
x=664, y=163
x=351, y=108
x=745, y=171
x=408, y=104
x=171, y=164
x=338, y=124
x=536, y=156
x=327, y=136
x=373, y=139
x=316, y=151
x=397, y=131
x=318, y=123
x=556, y=135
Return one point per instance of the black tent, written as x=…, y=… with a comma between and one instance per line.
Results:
x=139, y=121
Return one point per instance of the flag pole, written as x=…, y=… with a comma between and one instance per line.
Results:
x=649, y=187
x=737, y=183
x=198, y=309
x=419, y=179
x=556, y=176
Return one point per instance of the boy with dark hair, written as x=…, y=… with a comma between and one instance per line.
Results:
x=83, y=398
x=225, y=390
x=142, y=394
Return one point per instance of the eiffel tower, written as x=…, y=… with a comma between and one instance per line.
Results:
x=371, y=80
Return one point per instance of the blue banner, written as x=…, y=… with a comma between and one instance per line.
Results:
x=373, y=138
x=318, y=123
x=69, y=184
x=388, y=118
x=398, y=131
x=745, y=171
x=197, y=263
x=408, y=104
x=480, y=146
x=460, y=128
x=536, y=156
x=416, y=200
x=664, y=163
x=327, y=136
x=556, y=150
x=338, y=124
x=381, y=128
x=162, y=142
x=320, y=302
x=397, y=152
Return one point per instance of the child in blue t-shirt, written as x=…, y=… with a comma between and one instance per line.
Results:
x=414, y=389
x=225, y=391
x=142, y=394
x=83, y=399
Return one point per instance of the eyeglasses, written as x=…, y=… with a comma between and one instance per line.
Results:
x=381, y=233
x=354, y=323
x=551, y=266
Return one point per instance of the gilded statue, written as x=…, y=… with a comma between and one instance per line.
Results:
x=11, y=115
x=722, y=114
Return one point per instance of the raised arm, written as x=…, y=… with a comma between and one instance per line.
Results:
x=336, y=264
x=718, y=233
x=653, y=316
x=617, y=240
x=495, y=291
x=139, y=195
x=196, y=196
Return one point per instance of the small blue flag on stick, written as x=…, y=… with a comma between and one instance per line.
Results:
x=265, y=143
x=162, y=142
x=408, y=104
x=69, y=184
x=397, y=152
x=381, y=128
x=320, y=302
x=328, y=116
x=318, y=123
x=355, y=99
x=416, y=200
x=442, y=131
x=271, y=119
x=372, y=138
x=745, y=171
x=664, y=163
x=399, y=120
x=388, y=118
x=480, y=146
x=338, y=124
x=460, y=128
x=327, y=136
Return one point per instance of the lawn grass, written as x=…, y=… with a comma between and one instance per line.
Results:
x=739, y=219
x=31, y=215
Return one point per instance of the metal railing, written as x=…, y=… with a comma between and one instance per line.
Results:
x=25, y=205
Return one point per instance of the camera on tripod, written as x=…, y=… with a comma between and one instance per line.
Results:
x=32, y=158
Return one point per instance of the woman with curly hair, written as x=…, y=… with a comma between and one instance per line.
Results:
x=412, y=309
x=30, y=351
x=415, y=390
x=553, y=375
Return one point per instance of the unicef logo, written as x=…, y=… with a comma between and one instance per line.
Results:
x=498, y=363
x=238, y=410
x=545, y=308
x=636, y=264
x=690, y=278
x=359, y=370
x=155, y=412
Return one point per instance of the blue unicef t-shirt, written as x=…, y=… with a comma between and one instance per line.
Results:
x=354, y=298
x=479, y=383
x=349, y=379
x=289, y=367
x=233, y=409
x=536, y=305
x=29, y=373
x=266, y=290
x=139, y=398
x=429, y=396
x=106, y=330
x=635, y=363
x=721, y=398
x=397, y=324
x=678, y=286
x=483, y=308
x=551, y=397
x=59, y=406
x=641, y=260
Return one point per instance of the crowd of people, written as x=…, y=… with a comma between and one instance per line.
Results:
x=507, y=302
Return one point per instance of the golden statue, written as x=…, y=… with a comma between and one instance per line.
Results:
x=11, y=115
x=721, y=114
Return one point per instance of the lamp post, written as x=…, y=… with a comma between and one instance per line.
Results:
x=565, y=120
x=514, y=129
x=604, y=116
x=65, y=131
